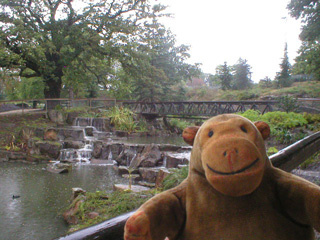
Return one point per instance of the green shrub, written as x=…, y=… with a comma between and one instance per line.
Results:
x=252, y=115
x=288, y=103
x=122, y=118
x=175, y=178
x=284, y=120
x=272, y=150
x=311, y=118
x=178, y=123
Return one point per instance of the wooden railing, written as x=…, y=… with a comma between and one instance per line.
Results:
x=182, y=108
x=286, y=159
x=198, y=108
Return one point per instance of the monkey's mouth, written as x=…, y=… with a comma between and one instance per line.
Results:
x=234, y=172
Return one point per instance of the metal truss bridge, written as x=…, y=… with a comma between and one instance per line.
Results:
x=198, y=108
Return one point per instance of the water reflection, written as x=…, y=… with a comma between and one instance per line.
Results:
x=173, y=140
x=43, y=196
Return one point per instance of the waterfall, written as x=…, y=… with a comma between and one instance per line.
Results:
x=97, y=123
x=80, y=155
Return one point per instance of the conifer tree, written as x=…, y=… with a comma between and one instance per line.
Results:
x=283, y=78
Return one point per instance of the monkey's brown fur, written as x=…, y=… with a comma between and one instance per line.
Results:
x=232, y=192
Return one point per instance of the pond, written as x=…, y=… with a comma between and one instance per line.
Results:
x=36, y=214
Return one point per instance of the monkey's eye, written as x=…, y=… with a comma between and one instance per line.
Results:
x=210, y=134
x=243, y=129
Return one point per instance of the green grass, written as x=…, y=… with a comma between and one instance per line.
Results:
x=310, y=161
x=175, y=178
x=108, y=205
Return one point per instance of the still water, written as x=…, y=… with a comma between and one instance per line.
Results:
x=36, y=214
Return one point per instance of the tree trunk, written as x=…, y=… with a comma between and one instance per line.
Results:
x=52, y=90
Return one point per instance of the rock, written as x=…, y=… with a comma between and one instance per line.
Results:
x=160, y=177
x=128, y=155
x=149, y=174
x=57, y=117
x=102, y=161
x=49, y=149
x=134, y=188
x=92, y=215
x=89, y=131
x=114, y=149
x=77, y=191
x=169, y=148
x=39, y=132
x=72, y=134
x=149, y=157
x=70, y=214
x=57, y=170
x=97, y=150
x=73, y=144
x=51, y=135
x=16, y=156
x=121, y=134
x=71, y=116
x=146, y=184
x=125, y=170
x=134, y=177
x=172, y=161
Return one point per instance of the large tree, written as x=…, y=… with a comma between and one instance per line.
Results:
x=224, y=75
x=309, y=12
x=308, y=60
x=242, y=75
x=160, y=66
x=283, y=78
x=54, y=38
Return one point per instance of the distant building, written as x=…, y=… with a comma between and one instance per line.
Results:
x=196, y=83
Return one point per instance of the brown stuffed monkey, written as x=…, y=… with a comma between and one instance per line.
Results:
x=232, y=191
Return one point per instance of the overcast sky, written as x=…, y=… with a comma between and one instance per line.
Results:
x=220, y=31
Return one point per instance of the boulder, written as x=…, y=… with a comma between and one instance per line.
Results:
x=132, y=177
x=128, y=154
x=50, y=149
x=57, y=117
x=16, y=156
x=89, y=131
x=71, y=134
x=73, y=144
x=134, y=188
x=102, y=161
x=51, y=135
x=70, y=214
x=124, y=170
x=162, y=174
x=92, y=215
x=57, y=170
x=149, y=174
x=97, y=149
x=77, y=191
x=121, y=134
x=172, y=161
x=149, y=157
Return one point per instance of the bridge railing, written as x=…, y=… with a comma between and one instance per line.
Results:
x=287, y=159
x=199, y=108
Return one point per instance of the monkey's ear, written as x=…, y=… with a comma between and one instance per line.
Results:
x=263, y=128
x=189, y=134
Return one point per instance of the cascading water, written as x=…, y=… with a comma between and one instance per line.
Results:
x=79, y=155
x=97, y=123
